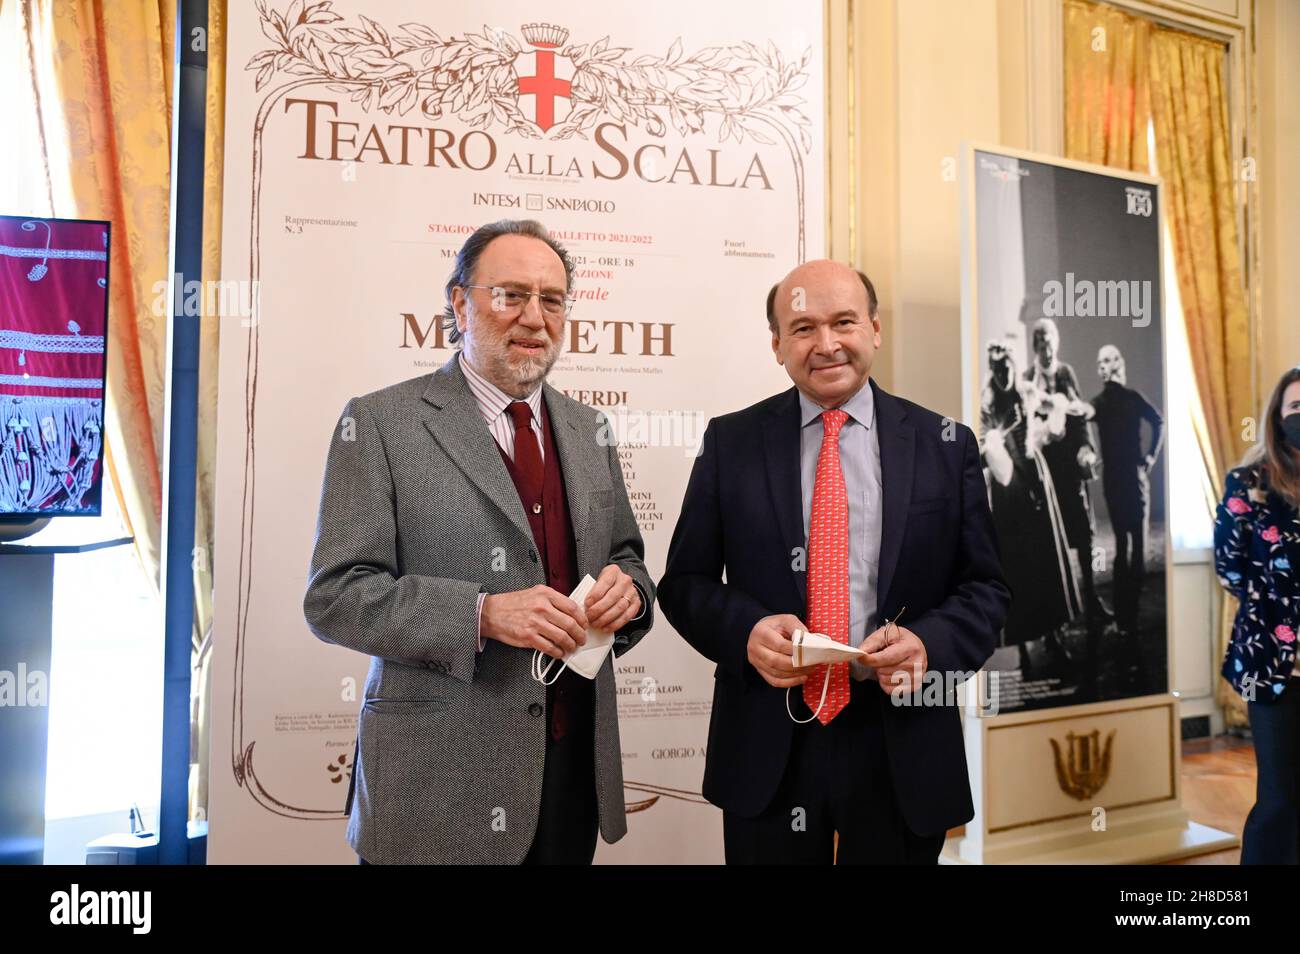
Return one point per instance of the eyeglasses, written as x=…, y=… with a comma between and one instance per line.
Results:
x=511, y=301
x=893, y=624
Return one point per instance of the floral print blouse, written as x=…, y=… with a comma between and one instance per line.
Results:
x=1256, y=555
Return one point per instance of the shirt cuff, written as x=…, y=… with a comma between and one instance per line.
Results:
x=479, y=615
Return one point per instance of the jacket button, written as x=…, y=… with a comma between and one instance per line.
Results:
x=532, y=555
x=535, y=710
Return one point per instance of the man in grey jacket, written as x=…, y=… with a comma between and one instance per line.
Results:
x=459, y=512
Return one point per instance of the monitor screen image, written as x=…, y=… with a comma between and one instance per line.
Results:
x=53, y=319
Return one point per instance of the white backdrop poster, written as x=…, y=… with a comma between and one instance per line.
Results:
x=678, y=155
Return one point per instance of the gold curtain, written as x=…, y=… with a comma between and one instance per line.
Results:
x=101, y=86
x=1179, y=77
x=1107, y=91
x=102, y=73
x=1190, y=112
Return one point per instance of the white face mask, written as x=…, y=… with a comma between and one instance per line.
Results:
x=586, y=659
x=810, y=649
x=813, y=648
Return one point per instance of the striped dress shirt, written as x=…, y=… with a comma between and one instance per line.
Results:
x=492, y=404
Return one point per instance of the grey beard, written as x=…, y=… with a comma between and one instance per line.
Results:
x=518, y=381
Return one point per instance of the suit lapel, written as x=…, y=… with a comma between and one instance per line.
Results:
x=781, y=450
x=457, y=425
x=897, y=454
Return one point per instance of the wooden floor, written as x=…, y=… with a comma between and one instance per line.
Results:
x=1218, y=790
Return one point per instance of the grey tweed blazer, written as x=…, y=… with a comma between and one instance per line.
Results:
x=418, y=516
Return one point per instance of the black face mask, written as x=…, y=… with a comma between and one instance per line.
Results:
x=1291, y=428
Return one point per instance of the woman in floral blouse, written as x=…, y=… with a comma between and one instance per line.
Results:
x=1257, y=557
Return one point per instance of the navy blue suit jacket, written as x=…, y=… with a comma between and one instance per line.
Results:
x=742, y=514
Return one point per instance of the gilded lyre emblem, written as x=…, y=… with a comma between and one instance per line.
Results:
x=1085, y=767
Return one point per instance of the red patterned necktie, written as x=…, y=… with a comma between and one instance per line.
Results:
x=828, y=568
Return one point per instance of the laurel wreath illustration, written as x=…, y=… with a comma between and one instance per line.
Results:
x=751, y=89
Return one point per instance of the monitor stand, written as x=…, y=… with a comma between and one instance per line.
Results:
x=19, y=529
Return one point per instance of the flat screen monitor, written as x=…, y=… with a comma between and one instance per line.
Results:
x=53, y=331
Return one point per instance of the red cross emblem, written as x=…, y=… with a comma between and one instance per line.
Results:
x=544, y=85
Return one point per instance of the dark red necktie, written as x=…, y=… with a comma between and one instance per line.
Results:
x=528, y=453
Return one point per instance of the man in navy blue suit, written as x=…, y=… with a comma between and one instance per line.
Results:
x=839, y=509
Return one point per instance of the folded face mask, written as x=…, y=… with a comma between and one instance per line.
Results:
x=813, y=648
x=586, y=659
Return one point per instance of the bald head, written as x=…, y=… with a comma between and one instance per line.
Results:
x=824, y=329
x=1110, y=365
x=801, y=275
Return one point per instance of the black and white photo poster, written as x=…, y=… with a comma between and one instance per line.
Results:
x=1066, y=385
